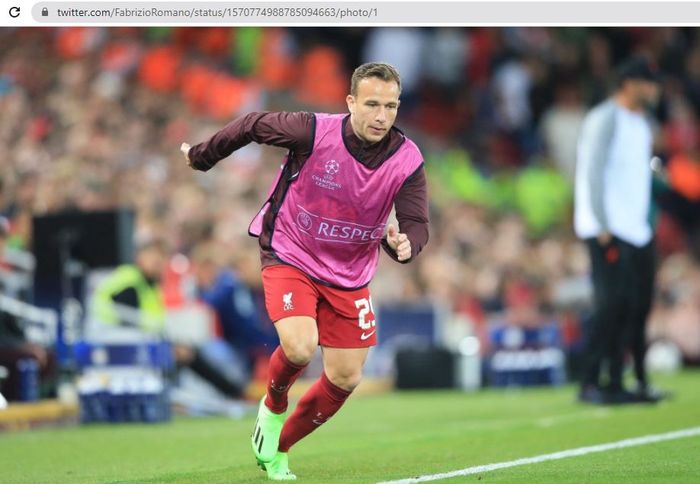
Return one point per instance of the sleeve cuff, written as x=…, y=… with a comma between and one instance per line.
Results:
x=390, y=252
x=196, y=161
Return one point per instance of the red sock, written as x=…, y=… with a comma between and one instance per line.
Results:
x=281, y=374
x=317, y=405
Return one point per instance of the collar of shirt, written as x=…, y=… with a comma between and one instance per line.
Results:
x=371, y=155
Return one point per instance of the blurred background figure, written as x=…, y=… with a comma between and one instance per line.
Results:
x=244, y=337
x=561, y=125
x=17, y=352
x=131, y=296
x=20, y=207
x=613, y=204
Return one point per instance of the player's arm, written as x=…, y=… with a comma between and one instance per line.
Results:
x=293, y=131
x=411, y=204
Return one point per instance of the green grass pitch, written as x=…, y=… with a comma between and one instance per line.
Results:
x=377, y=438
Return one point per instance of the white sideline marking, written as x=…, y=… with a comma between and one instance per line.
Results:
x=621, y=444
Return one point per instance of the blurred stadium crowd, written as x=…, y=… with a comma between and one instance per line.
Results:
x=92, y=118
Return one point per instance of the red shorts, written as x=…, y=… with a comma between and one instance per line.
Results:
x=345, y=319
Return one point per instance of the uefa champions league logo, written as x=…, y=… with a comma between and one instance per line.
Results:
x=325, y=180
x=332, y=167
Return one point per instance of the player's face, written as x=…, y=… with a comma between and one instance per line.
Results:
x=373, y=110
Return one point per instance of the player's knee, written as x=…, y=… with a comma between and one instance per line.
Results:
x=347, y=379
x=300, y=350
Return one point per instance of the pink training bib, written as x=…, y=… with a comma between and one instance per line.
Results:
x=331, y=221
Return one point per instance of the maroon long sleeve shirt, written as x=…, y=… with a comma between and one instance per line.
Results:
x=295, y=132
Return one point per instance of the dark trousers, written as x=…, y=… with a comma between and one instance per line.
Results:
x=199, y=365
x=623, y=285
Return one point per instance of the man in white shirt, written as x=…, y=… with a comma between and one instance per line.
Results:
x=612, y=205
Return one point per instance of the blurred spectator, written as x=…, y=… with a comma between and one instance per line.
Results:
x=20, y=208
x=692, y=77
x=542, y=196
x=447, y=54
x=15, y=347
x=560, y=127
x=681, y=198
x=237, y=312
x=130, y=296
x=598, y=72
x=323, y=80
x=676, y=316
x=403, y=48
x=512, y=82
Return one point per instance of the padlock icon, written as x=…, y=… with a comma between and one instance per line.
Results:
x=44, y=12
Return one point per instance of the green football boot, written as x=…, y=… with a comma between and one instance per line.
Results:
x=266, y=433
x=278, y=468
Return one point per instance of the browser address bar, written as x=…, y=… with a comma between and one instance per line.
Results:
x=369, y=13
x=149, y=12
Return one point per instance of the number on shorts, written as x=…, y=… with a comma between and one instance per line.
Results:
x=365, y=306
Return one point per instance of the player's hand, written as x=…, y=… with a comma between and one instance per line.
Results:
x=399, y=243
x=185, y=148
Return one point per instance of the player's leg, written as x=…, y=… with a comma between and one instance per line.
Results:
x=298, y=342
x=342, y=372
x=291, y=302
x=319, y=403
x=343, y=366
x=346, y=331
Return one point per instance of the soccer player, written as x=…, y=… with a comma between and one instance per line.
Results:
x=319, y=233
